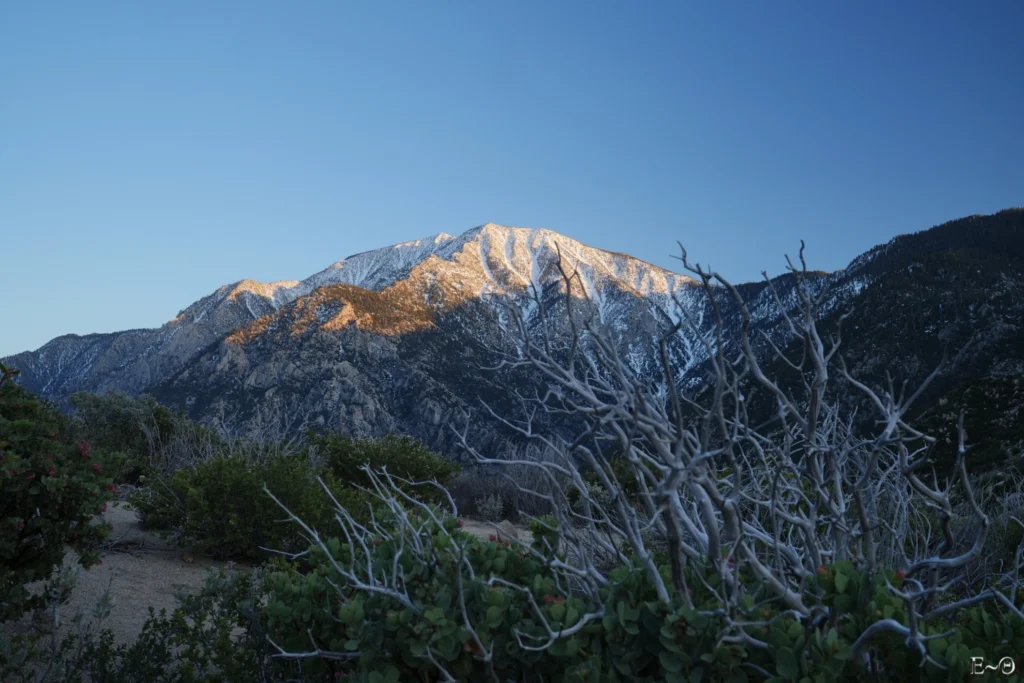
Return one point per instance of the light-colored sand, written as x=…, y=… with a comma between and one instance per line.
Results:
x=142, y=571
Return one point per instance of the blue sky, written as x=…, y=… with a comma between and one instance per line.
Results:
x=151, y=152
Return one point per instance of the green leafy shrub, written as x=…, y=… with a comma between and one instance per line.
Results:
x=50, y=494
x=220, y=508
x=393, y=638
x=401, y=455
x=390, y=638
x=145, y=431
x=121, y=422
x=634, y=637
x=229, y=631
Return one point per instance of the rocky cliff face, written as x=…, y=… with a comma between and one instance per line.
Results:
x=399, y=339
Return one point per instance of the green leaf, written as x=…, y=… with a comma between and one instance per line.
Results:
x=777, y=636
x=669, y=645
x=842, y=581
x=699, y=622
x=558, y=611
x=669, y=662
x=835, y=666
x=627, y=613
x=844, y=603
x=786, y=663
x=990, y=629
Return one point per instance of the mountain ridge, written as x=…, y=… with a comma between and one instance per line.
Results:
x=386, y=340
x=237, y=304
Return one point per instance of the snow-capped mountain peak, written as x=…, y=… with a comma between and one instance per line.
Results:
x=395, y=341
x=441, y=271
x=500, y=257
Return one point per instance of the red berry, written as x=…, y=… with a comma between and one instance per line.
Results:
x=492, y=537
x=111, y=488
x=901, y=574
x=30, y=475
x=103, y=508
x=460, y=522
x=83, y=448
x=98, y=467
x=822, y=571
x=100, y=561
x=52, y=471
